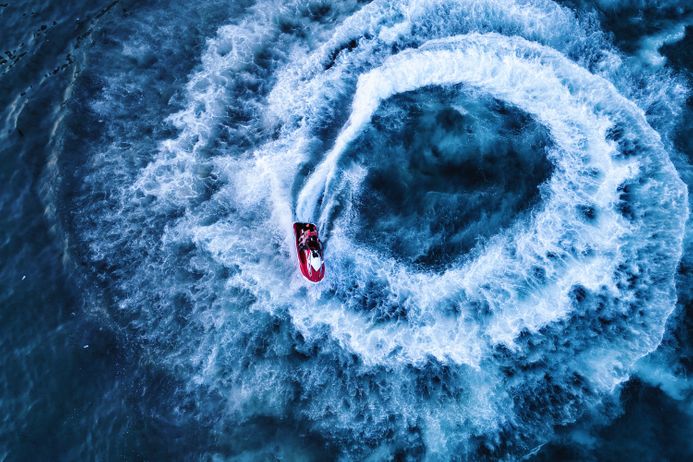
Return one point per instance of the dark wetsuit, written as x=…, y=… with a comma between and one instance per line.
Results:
x=308, y=240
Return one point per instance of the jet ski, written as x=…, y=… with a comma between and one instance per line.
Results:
x=309, y=251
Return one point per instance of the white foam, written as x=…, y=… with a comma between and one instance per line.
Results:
x=650, y=45
x=485, y=302
x=570, y=102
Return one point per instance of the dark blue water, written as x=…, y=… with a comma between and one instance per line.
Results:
x=503, y=192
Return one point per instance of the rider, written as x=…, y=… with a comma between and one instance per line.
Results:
x=309, y=240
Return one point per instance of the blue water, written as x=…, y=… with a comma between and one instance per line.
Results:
x=502, y=190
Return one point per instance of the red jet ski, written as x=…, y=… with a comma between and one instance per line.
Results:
x=309, y=251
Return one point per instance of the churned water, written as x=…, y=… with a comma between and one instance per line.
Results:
x=502, y=190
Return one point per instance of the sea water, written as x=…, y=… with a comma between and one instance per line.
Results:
x=501, y=189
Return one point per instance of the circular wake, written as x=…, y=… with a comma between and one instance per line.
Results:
x=502, y=225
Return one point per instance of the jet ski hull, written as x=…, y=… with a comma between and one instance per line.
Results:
x=303, y=253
